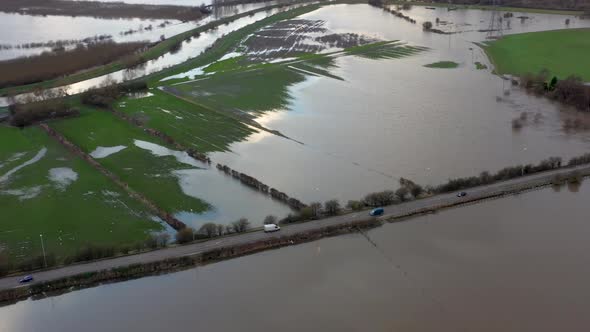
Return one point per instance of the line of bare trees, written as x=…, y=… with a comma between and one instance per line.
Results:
x=210, y=230
x=51, y=65
x=381, y=4
x=258, y=185
x=409, y=190
x=57, y=44
x=110, y=10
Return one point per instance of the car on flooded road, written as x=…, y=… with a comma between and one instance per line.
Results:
x=25, y=279
x=376, y=212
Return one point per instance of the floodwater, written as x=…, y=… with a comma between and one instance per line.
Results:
x=395, y=118
x=189, y=49
x=229, y=200
x=16, y=29
x=513, y=264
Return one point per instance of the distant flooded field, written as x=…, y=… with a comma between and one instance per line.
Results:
x=513, y=264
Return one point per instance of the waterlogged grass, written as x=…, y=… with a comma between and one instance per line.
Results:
x=255, y=91
x=227, y=43
x=154, y=52
x=562, y=52
x=87, y=210
x=265, y=87
x=480, y=66
x=443, y=65
x=192, y=125
x=145, y=172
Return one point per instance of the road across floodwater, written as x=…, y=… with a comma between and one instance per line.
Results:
x=392, y=212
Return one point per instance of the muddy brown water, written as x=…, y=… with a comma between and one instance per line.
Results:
x=513, y=264
x=395, y=118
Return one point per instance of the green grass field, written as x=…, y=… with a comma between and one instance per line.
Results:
x=191, y=125
x=562, y=52
x=88, y=210
x=484, y=7
x=141, y=169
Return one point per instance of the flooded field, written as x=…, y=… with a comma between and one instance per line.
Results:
x=17, y=29
x=514, y=264
x=192, y=191
x=189, y=49
x=40, y=182
x=387, y=119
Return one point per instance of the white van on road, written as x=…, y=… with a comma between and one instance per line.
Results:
x=271, y=228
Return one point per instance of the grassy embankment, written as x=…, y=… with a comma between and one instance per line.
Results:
x=154, y=52
x=89, y=210
x=562, y=52
x=484, y=7
x=143, y=171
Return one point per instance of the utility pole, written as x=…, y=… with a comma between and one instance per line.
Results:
x=43, y=247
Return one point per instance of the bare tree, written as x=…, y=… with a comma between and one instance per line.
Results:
x=355, y=205
x=220, y=230
x=241, y=225
x=270, y=219
x=316, y=209
x=209, y=229
x=402, y=193
x=332, y=207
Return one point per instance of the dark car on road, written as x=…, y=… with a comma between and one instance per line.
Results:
x=26, y=279
x=461, y=194
x=376, y=212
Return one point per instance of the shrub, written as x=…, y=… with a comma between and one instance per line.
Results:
x=270, y=220
x=26, y=115
x=427, y=25
x=185, y=235
x=291, y=218
x=5, y=265
x=355, y=205
x=380, y=198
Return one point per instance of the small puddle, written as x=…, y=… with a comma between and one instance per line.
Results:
x=62, y=177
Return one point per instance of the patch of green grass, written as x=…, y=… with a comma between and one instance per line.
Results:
x=484, y=7
x=443, y=65
x=480, y=66
x=90, y=210
x=145, y=172
x=191, y=125
x=261, y=90
x=562, y=52
x=225, y=65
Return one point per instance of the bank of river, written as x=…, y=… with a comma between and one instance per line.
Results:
x=510, y=264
